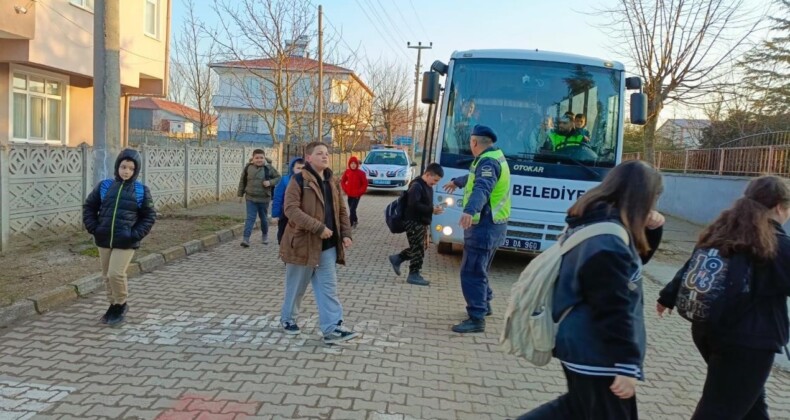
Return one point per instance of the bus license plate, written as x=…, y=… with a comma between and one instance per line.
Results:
x=522, y=244
x=380, y=182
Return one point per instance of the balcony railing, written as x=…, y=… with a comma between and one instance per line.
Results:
x=739, y=161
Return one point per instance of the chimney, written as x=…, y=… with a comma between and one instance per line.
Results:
x=298, y=47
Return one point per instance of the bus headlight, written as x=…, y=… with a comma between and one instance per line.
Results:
x=439, y=228
x=447, y=231
x=449, y=201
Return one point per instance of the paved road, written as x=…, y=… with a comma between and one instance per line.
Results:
x=202, y=343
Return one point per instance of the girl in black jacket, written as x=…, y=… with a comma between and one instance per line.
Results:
x=734, y=289
x=119, y=213
x=601, y=342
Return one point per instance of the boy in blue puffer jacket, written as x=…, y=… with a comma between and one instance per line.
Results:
x=119, y=213
x=294, y=168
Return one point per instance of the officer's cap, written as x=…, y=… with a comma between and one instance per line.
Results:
x=481, y=130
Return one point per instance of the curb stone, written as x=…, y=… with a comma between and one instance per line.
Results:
x=88, y=284
x=49, y=300
x=52, y=299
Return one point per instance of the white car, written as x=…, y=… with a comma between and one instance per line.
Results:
x=388, y=169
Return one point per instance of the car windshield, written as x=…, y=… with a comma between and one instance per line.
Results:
x=386, y=158
x=542, y=112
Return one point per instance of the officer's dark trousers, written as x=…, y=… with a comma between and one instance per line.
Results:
x=588, y=398
x=480, y=244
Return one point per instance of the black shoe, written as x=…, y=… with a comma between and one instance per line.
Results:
x=291, y=328
x=107, y=314
x=119, y=315
x=396, y=261
x=340, y=334
x=470, y=326
x=490, y=311
x=417, y=279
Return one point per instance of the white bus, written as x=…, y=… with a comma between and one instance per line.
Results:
x=523, y=95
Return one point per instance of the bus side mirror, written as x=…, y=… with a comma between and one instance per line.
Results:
x=430, y=87
x=638, y=108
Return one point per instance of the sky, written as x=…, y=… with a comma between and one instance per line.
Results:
x=379, y=29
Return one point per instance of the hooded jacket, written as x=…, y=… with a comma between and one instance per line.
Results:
x=757, y=317
x=251, y=182
x=279, y=190
x=601, y=280
x=419, y=202
x=354, y=181
x=120, y=213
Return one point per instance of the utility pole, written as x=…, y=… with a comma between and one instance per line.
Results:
x=106, y=88
x=320, y=74
x=419, y=47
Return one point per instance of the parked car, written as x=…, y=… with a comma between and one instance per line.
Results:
x=388, y=169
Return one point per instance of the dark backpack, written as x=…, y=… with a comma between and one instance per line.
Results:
x=708, y=287
x=393, y=214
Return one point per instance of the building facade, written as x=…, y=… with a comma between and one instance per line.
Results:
x=46, y=66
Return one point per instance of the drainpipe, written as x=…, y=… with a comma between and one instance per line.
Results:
x=166, y=82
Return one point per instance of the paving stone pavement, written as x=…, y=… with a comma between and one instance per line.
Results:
x=202, y=343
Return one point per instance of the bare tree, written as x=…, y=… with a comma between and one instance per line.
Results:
x=352, y=126
x=194, y=48
x=391, y=107
x=176, y=89
x=680, y=47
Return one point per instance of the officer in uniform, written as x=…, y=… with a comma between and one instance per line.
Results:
x=486, y=211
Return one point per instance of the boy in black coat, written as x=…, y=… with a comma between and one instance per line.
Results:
x=417, y=217
x=119, y=213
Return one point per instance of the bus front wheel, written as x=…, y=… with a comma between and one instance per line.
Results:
x=444, y=248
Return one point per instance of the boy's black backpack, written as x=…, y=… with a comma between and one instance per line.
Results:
x=709, y=288
x=393, y=214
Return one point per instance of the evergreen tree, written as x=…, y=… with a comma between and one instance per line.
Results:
x=767, y=67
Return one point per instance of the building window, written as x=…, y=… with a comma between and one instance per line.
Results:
x=37, y=111
x=339, y=91
x=151, y=18
x=85, y=4
x=248, y=123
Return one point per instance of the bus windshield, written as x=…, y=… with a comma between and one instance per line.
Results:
x=542, y=112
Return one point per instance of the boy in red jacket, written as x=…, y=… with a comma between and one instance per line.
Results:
x=355, y=184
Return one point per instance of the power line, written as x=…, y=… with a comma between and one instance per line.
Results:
x=419, y=21
x=411, y=31
x=390, y=20
x=386, y=39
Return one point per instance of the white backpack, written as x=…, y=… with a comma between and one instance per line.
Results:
x=530, y=330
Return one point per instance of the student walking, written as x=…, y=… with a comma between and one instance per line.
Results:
x=258, y=178
x=601, y=341
x=355, y=184
x=119, y=213
x=313, y=243
x=734, y=290
x=294, y=168
x=417, y=217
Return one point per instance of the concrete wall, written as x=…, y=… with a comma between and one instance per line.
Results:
x=700, y=198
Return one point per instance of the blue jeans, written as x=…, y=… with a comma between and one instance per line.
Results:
x=254, y=210
x=480, y=244
x=324, y=280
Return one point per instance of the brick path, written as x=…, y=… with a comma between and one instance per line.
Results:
x=201, y=343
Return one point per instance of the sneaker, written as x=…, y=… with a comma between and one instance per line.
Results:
x=245, y=243
x=107, y=314
x=119, y=315
x=340, y=334
x=265, y=240
x=291, y=328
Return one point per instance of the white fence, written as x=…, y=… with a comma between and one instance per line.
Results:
x=42, y=188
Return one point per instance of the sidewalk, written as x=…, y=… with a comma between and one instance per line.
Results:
x=202, y=342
